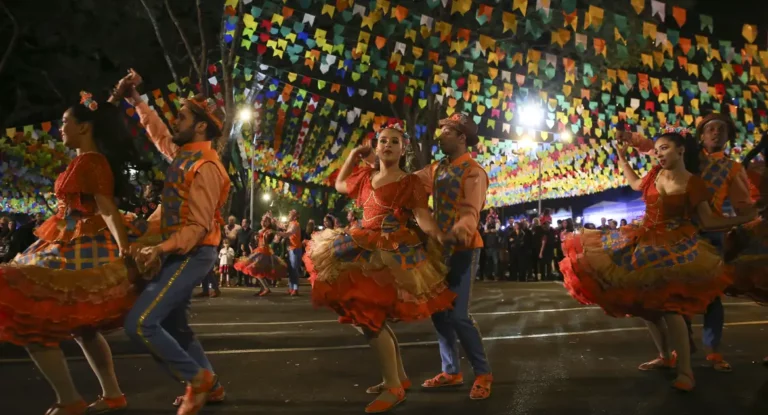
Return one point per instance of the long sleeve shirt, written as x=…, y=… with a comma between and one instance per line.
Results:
x=203, y=194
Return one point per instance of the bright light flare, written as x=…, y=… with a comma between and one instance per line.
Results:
x=245, y=114
x=283, y=219
x=565, y=136
x=531, y=115
x=266, y=197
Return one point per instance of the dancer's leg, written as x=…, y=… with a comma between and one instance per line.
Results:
x=385, y=349
x=52, y=364
x=678, y=334
x=658, y=330
x=99, y=355
x=400, y=366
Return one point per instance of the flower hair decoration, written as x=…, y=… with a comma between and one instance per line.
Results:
x=670, y=129
x=397, y=126
x=86, y=98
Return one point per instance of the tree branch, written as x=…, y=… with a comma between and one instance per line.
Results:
x=203, y=49
x=14, y=37
x=160, y=40
x=183, y=39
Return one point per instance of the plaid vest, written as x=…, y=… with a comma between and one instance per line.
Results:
x=718, y=173
x=178, y=182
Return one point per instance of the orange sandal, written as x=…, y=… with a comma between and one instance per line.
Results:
x=481, y=389
x=105, y=405
x=660, y=363
x=444, y=380
x=189, y=406
x=375, y=390
x=75, y=408
x=683, y=386
x=379, y=406
x=718, y=363
x=215, y=396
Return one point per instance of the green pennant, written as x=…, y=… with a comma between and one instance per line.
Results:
x=707, y=69
x=538, y=83
x=508, y=115
x=673, y=36
x=434, y=42
x=310, y=43
x=256, y=11
x=669, y=65
x=621, y=51
x=347, y=15
x=706, y=22
x=621, y=23
x=623, y=89
x=550, y=72
x=433, y=3
x=678, y=100
x=606, y=98
x=645, y=93
x=475, y=53
x=533, y=28
x=632, y=79
x=664, y=107
x=568, y=6
x=294, y=58
x=298, y=27
x=621, y=102
x=285, y=31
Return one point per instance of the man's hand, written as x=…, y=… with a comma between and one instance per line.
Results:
x=462, y=236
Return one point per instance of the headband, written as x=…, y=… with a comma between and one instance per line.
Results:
x=86, y=99
x=397, y=127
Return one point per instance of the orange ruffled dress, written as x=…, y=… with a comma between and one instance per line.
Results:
x=263, y=263
x=72, y=278
x=660, y=266
x=382, y=270
x=749, y=244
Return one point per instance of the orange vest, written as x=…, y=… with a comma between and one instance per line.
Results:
x=448, y=189
x=294, y=241
x=178, y=182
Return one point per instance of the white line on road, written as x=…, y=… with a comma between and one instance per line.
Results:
x=489, y=313
x=409, y=344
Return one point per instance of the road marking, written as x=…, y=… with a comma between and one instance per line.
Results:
x=487, y=313
x=408, y=344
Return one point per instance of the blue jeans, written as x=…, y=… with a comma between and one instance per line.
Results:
x=457, y=322
x=714, y=317
x=159, y=320
x=294, y=267
x=492, y=262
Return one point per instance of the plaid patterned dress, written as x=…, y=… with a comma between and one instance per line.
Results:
x=660, y=266
x=263, y=263
x=381, y=269
x=72, y=278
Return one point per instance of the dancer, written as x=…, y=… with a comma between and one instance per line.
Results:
x=295, y=251
x=381, y=271
x=458, y=185
x=662, y=269
x=74, y=281
x=263, y=263
x=727, y=182
x=196, y=188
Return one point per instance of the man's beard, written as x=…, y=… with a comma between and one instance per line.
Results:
x=183, y=137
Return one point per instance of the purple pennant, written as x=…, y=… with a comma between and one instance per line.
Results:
x=228, y=38
x=350, y=91
x=302, y=36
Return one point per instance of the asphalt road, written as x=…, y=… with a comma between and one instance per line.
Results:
x=550, y=355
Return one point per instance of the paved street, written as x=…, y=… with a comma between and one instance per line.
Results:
x=278, y=355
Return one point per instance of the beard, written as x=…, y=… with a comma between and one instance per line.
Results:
x=183, y=137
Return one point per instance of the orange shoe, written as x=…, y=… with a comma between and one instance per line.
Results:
x=192, y=404
x=294, y=293
x=481, y=389
x=684, y=382
x=375, y=390
x=75, y=408
x=105, y=405
x=379, y=405
x=262, y=293
x=718, y=363
x=444, y=380
x=660, y=363
x=215, y=396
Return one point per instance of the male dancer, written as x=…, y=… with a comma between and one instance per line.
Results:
x=727, y=181
x=295, y=251
x=458, y=185
x=196, y=187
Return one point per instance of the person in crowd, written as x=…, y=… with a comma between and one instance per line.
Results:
x=352, y=219
x=243, y=249
x=226, y=263
x=75, y=281
x=662, y=270
x=515, y=239
x=458, y=185
x=603, y=224
x=231, y=229
x=309, y=230
x=612, y=225
x=210, y=285
x=196, y=188
x=539, y=238
x=622, y=223
x=381, y=271
x=492, y=246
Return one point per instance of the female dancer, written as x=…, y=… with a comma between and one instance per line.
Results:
x=660, y=270
x=263, y=263
x=74, y=281
x=381, y=271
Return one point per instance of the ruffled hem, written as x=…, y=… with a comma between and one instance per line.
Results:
x=369, y=293
x=750, y=279
x=36, y=314
x=591, y=277
x=263, y=266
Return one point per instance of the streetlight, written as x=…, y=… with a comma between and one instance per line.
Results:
x=245, y=114
x=266, y=197
x=531, y=115
x=565, y=136
x=283, y=219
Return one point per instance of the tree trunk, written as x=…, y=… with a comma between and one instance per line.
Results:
x=160, y=40
x=191, y=56
x=203, y=50
x=14, y=37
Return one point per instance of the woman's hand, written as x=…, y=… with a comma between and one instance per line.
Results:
x=621, y=151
